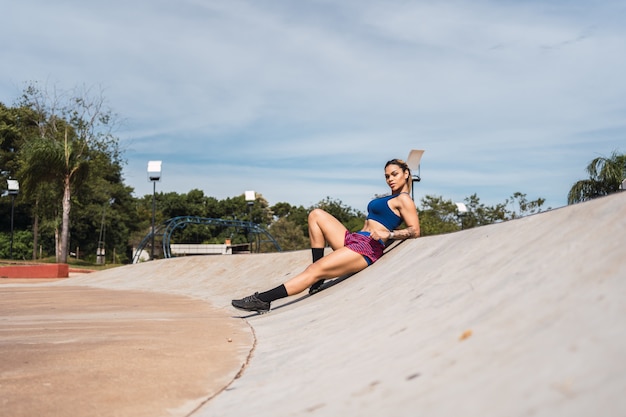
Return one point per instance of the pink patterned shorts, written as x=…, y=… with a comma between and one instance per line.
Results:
x=363, y=244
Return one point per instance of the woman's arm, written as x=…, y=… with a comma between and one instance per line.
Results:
x=408, y=212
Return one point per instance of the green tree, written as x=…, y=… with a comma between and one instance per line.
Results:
x=479, y=214
x=290, y=227
x=522, y=207
x=438, y=216
x=55, y=162
x=22, y=242
x=297, y=216
x=11, y=137
x=104, y=212
x=288, y=235
x=605, y=177
x=195, y=203
x=349, y=217
x=71, y=127
x=17, y=125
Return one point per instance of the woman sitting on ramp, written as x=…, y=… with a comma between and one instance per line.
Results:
x=352, y=252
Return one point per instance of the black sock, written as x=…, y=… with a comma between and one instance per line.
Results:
x=273, y=294
x=318, y=253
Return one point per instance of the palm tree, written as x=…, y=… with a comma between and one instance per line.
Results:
x=605, y=177
x=61, y=163
x=61, y=153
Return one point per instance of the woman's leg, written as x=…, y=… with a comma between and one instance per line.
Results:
x=323, y=227
x=339, y=262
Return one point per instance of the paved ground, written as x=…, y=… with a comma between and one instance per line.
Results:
x=80, y=351
x=518, y=319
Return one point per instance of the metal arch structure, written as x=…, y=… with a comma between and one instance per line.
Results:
x=182, y=221
x=169, y=226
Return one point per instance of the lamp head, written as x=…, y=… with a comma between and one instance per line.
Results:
x=154, y=170
x=13, y=187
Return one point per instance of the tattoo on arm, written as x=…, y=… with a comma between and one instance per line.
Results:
x=408, y=233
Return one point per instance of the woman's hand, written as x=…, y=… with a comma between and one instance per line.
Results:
x=380, y=235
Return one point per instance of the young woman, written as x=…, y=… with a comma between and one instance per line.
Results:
x=352, y=252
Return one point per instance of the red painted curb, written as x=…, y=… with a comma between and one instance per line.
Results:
x=35, y=271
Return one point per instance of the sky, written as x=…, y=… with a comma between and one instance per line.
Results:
x=306, y=99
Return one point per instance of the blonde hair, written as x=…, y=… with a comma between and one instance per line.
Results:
x=405, y=168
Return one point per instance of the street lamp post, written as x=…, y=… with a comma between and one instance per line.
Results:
x=13, y=188
x=154, y=175
x=249, y=196
x=413, y=161
x=461, y=210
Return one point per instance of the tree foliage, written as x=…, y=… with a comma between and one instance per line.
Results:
x=288, y=234
x=290, y=225
x=61, y=147
x=605, y=177
x=73, y=128
x=73, y=195
x=22, y=245
x=438, y=216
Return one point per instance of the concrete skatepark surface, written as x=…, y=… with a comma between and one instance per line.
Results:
x=80, y=351
x=522, y=318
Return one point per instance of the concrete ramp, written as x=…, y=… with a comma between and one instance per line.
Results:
x=523, y=318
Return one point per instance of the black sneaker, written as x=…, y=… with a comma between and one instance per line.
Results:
x=316, y=287
x=252, y=303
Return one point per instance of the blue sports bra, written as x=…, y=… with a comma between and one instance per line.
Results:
x=378, y=210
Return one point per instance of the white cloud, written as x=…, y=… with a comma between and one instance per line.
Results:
x=309, y=99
